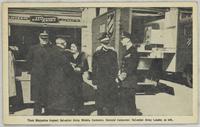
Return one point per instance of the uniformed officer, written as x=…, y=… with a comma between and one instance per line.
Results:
x=127, y=78
x=104, y=72
x=37, y=61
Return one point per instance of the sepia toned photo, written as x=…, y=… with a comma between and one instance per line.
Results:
x=87, y=64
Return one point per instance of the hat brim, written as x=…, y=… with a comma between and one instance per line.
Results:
x=44, y=36
x=123, y=38
x=105, y=39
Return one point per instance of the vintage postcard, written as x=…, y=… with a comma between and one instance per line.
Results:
x=105, y=63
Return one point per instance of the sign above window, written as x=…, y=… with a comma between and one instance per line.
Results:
x=48, y=20
x=44, y=19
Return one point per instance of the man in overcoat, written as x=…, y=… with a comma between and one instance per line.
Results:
x=127, y=79
x=60, y=100
x=104, y=72
x=37, y=60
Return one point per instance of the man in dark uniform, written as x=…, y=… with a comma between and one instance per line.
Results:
x=37, y=60
x=127, y=79
x=104, y=72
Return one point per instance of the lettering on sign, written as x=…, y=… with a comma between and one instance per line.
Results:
x=70, y=20
x=43, y=19
x=18, y=18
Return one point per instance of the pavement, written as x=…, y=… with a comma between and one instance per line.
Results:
x=170, y=99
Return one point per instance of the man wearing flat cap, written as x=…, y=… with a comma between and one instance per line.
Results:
x=37, y=60
x=127, y=78
x=104, y=72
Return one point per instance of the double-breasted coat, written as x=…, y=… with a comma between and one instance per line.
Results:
x=37, y=60
x=60, y=85
x=126, y=103
x=104, y=73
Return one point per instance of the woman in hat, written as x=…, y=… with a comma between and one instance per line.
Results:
x=80, y=65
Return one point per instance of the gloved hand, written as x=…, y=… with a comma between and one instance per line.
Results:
x=122, y=76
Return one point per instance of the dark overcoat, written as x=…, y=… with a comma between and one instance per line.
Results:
x=37, y=61
x=60, y=85
x=126, y=103
x=81, y=62
x=129, y=65
x=104, y=73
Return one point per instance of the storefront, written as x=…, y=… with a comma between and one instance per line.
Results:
x=26, y=24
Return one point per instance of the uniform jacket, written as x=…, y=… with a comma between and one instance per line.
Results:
x=129, y=65
x=104, y=72
x=37, y=61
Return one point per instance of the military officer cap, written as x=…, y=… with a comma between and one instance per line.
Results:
x=125, y=34
x=104, y=38
x=44, y=35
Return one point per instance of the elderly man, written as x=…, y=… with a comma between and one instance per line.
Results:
x=37, y=60
x=127, y=79
x=60, y=99
x=104, y=71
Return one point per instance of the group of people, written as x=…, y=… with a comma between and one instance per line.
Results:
x=56, y=77
x=115, y=86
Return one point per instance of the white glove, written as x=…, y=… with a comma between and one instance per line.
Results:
x=122, y=76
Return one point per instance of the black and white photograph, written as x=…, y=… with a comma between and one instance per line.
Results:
x=100, y=61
